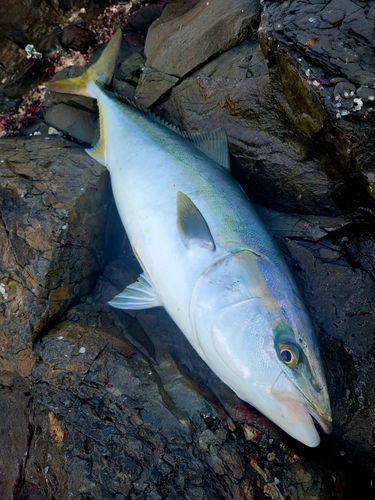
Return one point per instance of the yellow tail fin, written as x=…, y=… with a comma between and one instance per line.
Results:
x=100, y=72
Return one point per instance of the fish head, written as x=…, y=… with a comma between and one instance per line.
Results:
x=254, y=332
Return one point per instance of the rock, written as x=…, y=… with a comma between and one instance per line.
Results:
x=141, y=19
x=77, y=38
x=337, y=35
x=131, y=68
x=153, y=85
x=24, y=23
x=77, y=123
x=54, y=204
x=308, y=227
x=14, y=401
x=205, y=28
x=30, y=75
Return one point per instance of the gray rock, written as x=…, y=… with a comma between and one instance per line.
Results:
x=131, y=68
x=324, y=33
x=153, y=85
x=25, y=23
x=54, y=204
x=74, y=122
x=202, y=30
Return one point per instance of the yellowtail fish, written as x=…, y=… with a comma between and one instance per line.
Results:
x=207, y=258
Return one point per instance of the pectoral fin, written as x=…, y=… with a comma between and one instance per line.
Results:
x=138, y=295
x=191, y=224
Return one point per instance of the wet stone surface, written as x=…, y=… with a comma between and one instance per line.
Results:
x=54, y=206
x=336, y=34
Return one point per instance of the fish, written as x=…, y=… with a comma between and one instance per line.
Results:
x=206, y=257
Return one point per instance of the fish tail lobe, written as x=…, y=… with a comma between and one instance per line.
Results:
x=100, y=72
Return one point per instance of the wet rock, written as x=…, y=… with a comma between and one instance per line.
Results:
x=54, y=206
x=76, y=123
x=308, y=227
x=14, y=433
x=131, y=68
x=340, y=295
x=153, y=85
x=141, y=19
x=25, y=23
x=28, y=77
x=206, y=28
x=77, y=38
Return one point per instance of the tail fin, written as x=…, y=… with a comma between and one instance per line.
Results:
x=100, y=72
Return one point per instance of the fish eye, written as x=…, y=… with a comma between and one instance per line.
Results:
x=288, y=354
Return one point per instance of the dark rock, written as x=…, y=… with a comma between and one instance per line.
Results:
x=153, y=85
x=54, y=204
x=206, y=29
x=131, y=68
x=77, y=38
x=141, y=19
x=50, y=45
x=14, y=432
x=324, y=42
x=77, y=123
x=23, y=23
x=28, y=77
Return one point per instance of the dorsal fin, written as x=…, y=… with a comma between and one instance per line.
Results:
x=214, y=144
x=191, y=224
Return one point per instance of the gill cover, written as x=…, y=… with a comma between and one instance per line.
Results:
x=223, y=302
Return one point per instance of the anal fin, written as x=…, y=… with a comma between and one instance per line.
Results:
x=138, y=295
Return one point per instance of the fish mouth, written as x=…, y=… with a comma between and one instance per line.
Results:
x=305, y=412
x=324, y=422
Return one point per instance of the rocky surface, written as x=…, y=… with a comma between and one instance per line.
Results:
x=54, y=207
x=97, y=403
x=25, y=23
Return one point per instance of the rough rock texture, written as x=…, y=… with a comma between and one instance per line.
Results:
x=24, y=22
x=114, y=405
x=199, y=30
x=54, y=206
